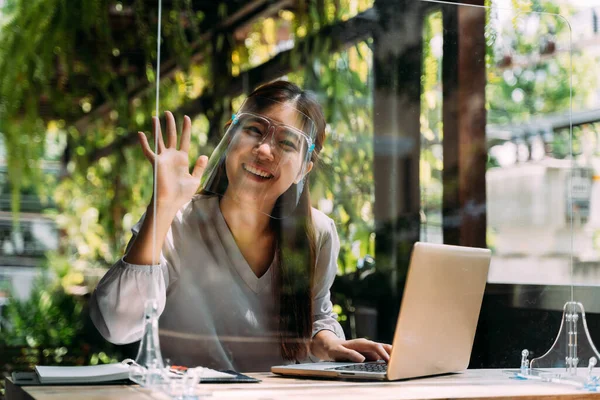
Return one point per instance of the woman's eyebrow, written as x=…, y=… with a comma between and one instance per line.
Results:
x=293, y=134
x=287, y=125
x=278, y=121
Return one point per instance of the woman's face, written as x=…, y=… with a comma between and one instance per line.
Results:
x=266, y=156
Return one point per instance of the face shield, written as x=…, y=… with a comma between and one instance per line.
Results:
x=263, y=158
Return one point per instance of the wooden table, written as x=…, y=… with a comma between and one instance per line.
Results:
x=472, y=384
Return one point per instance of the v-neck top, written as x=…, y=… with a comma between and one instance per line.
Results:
x=236, y=258
x=215, y=311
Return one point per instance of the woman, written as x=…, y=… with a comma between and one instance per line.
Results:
x=241, y=270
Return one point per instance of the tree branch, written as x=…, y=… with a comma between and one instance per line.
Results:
x=247, y=14
x=333, y=38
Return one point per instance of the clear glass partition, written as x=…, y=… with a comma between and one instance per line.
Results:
x=532, y=205
x=444, y=123
x=77, y=83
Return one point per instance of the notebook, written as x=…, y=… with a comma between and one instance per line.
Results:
x=85, y=374
x=105, y=373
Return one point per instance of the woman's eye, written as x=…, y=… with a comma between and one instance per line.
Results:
x=253, y=130
x=288, y=145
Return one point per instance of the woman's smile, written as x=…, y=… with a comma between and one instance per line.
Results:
x=258, y=173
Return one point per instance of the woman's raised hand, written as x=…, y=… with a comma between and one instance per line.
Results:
x=175, y=184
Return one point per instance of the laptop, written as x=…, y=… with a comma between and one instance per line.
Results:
x=437, y=320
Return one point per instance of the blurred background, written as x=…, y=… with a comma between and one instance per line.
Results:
x=447, y=123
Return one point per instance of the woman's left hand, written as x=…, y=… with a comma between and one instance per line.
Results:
x=328, y=346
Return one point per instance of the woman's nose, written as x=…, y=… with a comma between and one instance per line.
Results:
x=264, y=150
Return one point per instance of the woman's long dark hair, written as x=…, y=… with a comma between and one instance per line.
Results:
x=294, y=274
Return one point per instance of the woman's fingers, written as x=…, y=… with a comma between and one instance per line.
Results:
x=171, y=130
x=367, y=346
x=371, y=356
x=200, y=166
x=146, y=146
x=381, y=351
x=374, y=348
x=186, y=133
x=343, y=353
x=156, y=132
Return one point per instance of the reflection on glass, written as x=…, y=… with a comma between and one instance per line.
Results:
x=403, y=125
x=68, y=184
x=529, y=175
x=538, y=177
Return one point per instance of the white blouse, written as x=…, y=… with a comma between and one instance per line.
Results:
x=215, y=311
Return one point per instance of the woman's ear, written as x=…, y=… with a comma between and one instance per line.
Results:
x=309, y=167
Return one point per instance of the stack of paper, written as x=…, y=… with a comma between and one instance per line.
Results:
x=82, y=375
x=110, y=372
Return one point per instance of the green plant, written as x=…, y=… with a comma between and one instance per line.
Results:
x=50, y=318
x=51, y=327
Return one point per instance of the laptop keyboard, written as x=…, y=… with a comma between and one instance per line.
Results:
x=364, y=367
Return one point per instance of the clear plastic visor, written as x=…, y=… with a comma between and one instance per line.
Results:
x=286, y=141
x=263, y=158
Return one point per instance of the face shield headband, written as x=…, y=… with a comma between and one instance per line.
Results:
x=262, y=160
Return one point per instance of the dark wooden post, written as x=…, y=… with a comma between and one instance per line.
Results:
x=464, y=117
x=219, y=108
x=397, y=51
